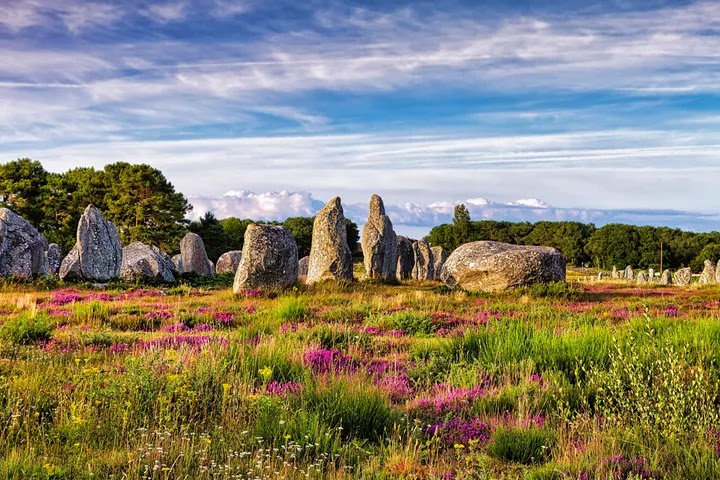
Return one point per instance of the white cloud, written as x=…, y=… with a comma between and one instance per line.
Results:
x=166, y=12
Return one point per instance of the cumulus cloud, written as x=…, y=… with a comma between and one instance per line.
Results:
x=417, y=219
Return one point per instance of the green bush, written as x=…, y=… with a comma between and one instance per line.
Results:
x=26, y=330
x=526, y=446
x=413, y=323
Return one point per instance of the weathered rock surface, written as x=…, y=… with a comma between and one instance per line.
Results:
x=22, y=247
x=651, y=275
x=424, y=268
x=330, y=257
x=629, y=274
x=495, y=266
x=682, y=277
x=405, y=258
x=54, y=258
x=708, y=273
x=269, y=259
x=228, y=262
x=666, y=278
x=614, y=273
x=177, y=263
x=70, y=266
x=303, y=266
x=641, y=278
x=97, y=254
x=600, y=276
x=194, y=258
x=379, y=243
x=439, y=258
x=145, y=263
x=717, y=272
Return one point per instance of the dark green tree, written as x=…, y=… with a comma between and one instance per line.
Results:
x=212, y=234
x=21, y=185
x=353, y=236
x=301, y=229
x=461, y=225
x=234, y=229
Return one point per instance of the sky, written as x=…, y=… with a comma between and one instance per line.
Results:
x=525, y=110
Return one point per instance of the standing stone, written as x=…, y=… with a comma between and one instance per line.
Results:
x=405, y=258
x=194, y=258
x=651, y=275
x=22, y=247
x=717, y=272
x=177, y=263
x=682, y=277
x=330, y=257
x=303, y=266
x=666, y=278
x=629, y=275
x=495, y=266
x=97, y=254
x=424, y=268
x=708, y=273
x=269, y=259
x=379, y=243
x=228, y=262
x=145, y=263
x=54, y=258
x=614, y=273
x=439, y=258
x=641, y=278
x=600, y=276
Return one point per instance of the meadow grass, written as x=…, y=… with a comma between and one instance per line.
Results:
x=582, y=381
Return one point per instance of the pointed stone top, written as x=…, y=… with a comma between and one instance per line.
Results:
x=377, y=207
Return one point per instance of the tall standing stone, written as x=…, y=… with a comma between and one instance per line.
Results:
x=330, y=257
x=22, y=247
x=97, y=254
x=651, y=275
x=629, y=274
x=379, y=243
x=228, y=262
x=614, y=273
x=682, y=277
x=54, y=258
x=269, y=259
x=641, y=278
x=600, y=276
x=405, y=258
x=194, y=258
x=708, y=273
x=666, y=278
x=439, y=257
x=424, y=268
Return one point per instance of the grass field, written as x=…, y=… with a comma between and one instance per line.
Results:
x=579, y=381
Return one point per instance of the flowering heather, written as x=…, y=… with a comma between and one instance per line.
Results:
x=447, y=399
x=283, y=389
x=325, y=360
x=203, y=327
x=250, y=293
x=461, y=431
x=119, y=348
x=370, y=330
x=63, y=297
x=624, y=467
x=714, y=434
x=620, y=313
x=671, y=311
x=224, y=318
x=579, y=307
x=396, y=333
x=398, y=387
x=175, y=341
x=175, y=327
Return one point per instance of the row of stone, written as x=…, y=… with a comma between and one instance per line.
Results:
x=681, y=277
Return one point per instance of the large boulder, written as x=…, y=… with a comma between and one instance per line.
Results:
x=228, y=262
x=424, y=268
x=145, y=263
x=303, y=266
x=379, y=243
x=54, y=258
x=495, y=266
x=439, y=258
x=269, y=259
x=708, y=273
x=193, y=256
x=97, y=254
x=682, y=277
x=330, y=257
x=22, y=247
x=405, y=258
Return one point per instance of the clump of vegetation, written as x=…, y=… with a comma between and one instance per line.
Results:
x=525, y=446
x=27, y=329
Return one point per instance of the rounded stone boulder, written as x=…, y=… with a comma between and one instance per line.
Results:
x=228, y=262
x=269, y=259
x=379, y=243
x=405, y=258
x=495, y=266
x=193, y=257
x=22, y=247
x=145, y=263
x=330, y=257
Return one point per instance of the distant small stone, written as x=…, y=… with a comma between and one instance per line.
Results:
x=70, y=266
x=708, y=273
x=303, y=266
x=424, y=268
x=439, y=257
x=641, y=278
x=228, y=262
x=666, y=278
x=269, y=259
x=600, y=276
x=177, y=263
x=145, y=263
x=614, y=273
x=651, y=275
x=405, y=258
x=54, y=257
x=194, y=258
x=629, y=274
x=682, y=277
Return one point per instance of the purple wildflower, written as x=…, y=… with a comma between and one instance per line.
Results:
x=459, y=430
x=283, y=389
x=328, y=360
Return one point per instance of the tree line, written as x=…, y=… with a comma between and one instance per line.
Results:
x=585, y=244
x=138, y=198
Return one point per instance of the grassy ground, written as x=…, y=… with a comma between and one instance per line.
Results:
x=587, y=381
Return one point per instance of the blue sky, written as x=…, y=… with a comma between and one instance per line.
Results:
x=603, y=110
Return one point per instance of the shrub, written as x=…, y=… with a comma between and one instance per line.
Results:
x=526, y=446
x=26, y=329
x=413, y=323
x=291, y=309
